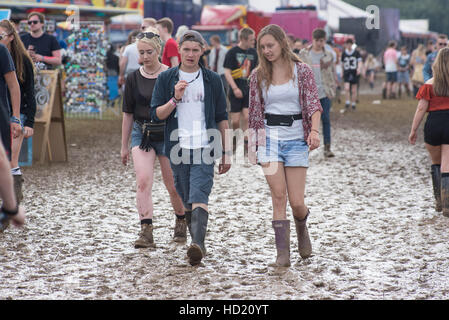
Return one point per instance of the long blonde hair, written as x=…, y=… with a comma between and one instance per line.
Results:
x=441, y=73
x=265, y=68
x=18, y=52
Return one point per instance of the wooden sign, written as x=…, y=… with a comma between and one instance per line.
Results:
x=49, y=141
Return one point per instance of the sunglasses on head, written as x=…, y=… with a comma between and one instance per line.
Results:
x=443, y=44
x=3, y=35
x=148, y=35
x=33, y=22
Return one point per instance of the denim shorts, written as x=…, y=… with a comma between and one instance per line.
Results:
x=136, y=139
x=392, y=76
x=193, y=180
x=293, y=153
x=403, y=77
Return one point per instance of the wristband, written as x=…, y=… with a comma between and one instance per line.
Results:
x=14, y=119
x=176, y=100
x=8, y=212
x=172, y=101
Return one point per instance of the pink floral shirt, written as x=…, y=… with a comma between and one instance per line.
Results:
x=308, y=97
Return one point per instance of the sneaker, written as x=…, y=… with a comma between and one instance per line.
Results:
x=145, y=239
x=180, y=234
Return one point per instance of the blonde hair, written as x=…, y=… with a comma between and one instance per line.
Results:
x=155, y=42
x=265, y=68
x=441, y=73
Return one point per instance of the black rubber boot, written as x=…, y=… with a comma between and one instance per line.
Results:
x=18, y=182
x=188, y=215
x=445, y=193
x=197, y=249
x=435, y=171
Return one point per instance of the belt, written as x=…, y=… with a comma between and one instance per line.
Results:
x=282, y=120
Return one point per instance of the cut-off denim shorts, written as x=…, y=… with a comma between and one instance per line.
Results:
x=293, y=153
x=136, y=139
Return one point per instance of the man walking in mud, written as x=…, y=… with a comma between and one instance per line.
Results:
x=191, y=99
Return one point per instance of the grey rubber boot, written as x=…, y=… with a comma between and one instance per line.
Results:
x=198, y=227
x=435, y=171
x=445, y=193
x=304, y=244
x=282, y=237
x=188, y=218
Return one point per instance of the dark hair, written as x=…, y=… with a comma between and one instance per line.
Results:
x=38, y=14
x=349, y=41
x=392, y=44
x=318, y=34
x=166, y=23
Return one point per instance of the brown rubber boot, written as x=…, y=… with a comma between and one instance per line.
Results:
x=145, y=239
x=445, y=193
x=304, y=244
x=18, y=181
x=282, y=237
x=180, y=234
x=435, y=171
x=327, y=151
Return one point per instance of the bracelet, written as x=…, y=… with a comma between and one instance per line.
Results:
x=9, y=212
x=176, y=100
x=315, y=130
x=172, y=101
x=14, y=119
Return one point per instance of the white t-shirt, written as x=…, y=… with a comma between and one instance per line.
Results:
x=283, y=99
x=132, y=54
x=191, y=117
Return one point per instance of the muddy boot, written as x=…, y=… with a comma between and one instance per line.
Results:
x=282, y=237
x=384, y=93
x=304, y=244
x=197, y=250
x=180, y=234
x=18, y=181
x=445, y=193
x=436, y=181
x=327, y=151
x=145, y=237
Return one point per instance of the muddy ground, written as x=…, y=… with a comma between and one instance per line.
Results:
x=374, y=231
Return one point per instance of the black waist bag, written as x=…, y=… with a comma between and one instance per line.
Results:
x=281, y=120
x=151, y=132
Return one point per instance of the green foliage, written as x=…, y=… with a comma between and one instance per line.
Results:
x=434, y=10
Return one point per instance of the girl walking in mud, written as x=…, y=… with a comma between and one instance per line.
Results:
x=284, y=117
x=147, y=139
x=434, y=98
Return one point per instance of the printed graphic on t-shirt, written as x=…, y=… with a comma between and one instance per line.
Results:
x=244, y=61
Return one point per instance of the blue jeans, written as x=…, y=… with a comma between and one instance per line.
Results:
x=326, y=119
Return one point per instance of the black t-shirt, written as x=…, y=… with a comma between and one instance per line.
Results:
x=137, y=97
x=44, y=45
x=351, y=61
x=245, y=60
x=6, y=66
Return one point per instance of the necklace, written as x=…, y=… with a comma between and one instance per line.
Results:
x=197, y=76
x=151, y=74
